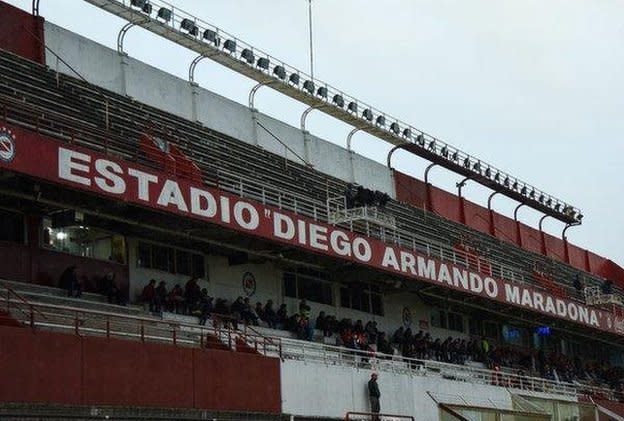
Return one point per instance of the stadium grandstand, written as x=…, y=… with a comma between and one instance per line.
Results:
x=169, y=254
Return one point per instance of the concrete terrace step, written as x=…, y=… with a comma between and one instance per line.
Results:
x=20, y=287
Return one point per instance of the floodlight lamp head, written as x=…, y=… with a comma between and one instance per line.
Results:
x=280, y=72
x=263, y=63
x=353, y=107
x=380, y=121
x=248, y=56
x=395, y=128
x=338, y=100
x=407, y=133
x=164, y=14
x=211, y=36
x=308, y=85
x=294, y=78
x=230, y=45
x=368, y=114
x=322, y=92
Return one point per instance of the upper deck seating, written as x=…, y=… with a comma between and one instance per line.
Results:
x=72, y=108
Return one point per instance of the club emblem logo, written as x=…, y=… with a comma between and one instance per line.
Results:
x=7, y=145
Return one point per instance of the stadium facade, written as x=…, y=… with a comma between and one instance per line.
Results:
x=131, y=174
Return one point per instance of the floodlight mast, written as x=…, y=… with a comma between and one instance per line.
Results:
x=206, y=39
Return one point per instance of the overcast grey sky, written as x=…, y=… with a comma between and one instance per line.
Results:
x=533, y=87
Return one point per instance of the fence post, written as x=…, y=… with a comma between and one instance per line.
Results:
x=175, y=337
x=76, y=327
x=108, y=327
x=32, y=317
x=142, y=331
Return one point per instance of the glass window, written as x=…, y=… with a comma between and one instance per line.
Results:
x=290, y=285
x=85, y=241
x=456, y=322
x=308, y=284
x=161, y=258
x=362, y=297
x=144, y=255
x=169, y=259
x=199, y=266
x=183, y=263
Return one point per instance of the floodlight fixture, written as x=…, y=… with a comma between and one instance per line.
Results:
x=294, y=79
x=407, y=133
x=380, y=121
x=280, y=72
x=467, y=163
x=263, y=63
x=211, y=36
x=164, y=14
x=230, y=45
x=523, y=191
x=338, y=100
x=455, y=156
x=248, y=56
x=322, y=92
x=308, y=85
x=189, y=26
x=420, y=140
x=368, y=114
x=353, y=107
x=444, y=151
x=394, y=127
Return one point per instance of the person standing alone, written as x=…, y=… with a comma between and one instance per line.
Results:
x=373, y=395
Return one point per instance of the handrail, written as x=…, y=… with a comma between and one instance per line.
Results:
x=286, y=348
x=21, y=299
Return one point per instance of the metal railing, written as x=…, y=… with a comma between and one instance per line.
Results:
x=212, y=42
x=81, y=321
x=74, y=131
x=334, y=355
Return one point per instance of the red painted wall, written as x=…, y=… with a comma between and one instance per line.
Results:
x=555, y=247
x=577, y=257
x=477, y=217
x=445, y=204
x=19, y=31
x=71, y=370
x=410, y=190
x=414, y=192
x=505, y=228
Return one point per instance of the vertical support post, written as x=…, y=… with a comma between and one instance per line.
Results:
x=142, y=331
x=175, y=337
x=108, y=326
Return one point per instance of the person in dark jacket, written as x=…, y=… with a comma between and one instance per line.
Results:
x=69, y=281
x=374, y=395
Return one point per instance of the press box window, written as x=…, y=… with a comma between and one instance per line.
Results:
x=362, y=297
x=61, y=233
x=309, y=285
x=169, y=259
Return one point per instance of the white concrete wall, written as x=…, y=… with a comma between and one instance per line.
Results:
x=124, y=75
x=332, y=391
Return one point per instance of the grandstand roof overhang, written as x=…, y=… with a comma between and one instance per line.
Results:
x=333, y=102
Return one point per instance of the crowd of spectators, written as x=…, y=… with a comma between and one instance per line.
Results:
x=357, y=335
